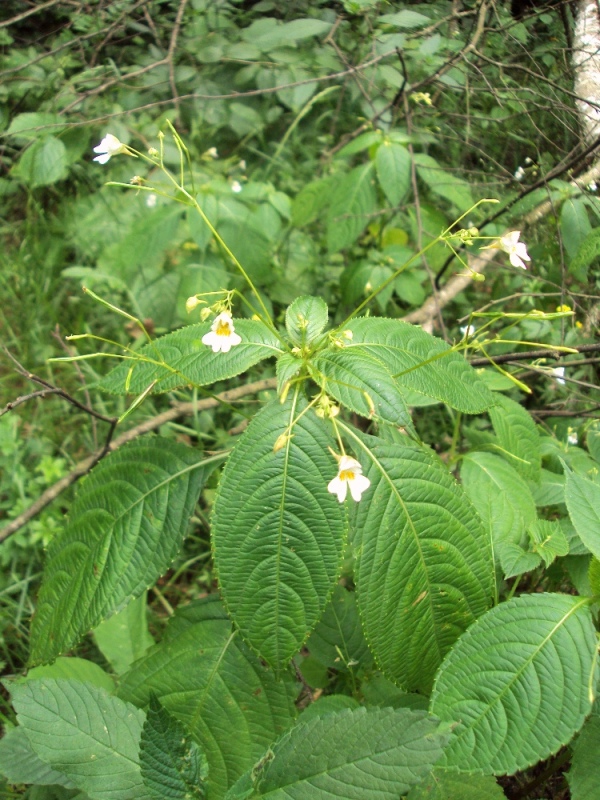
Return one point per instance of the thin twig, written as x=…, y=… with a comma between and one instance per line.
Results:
x=171, y=52
x=530, y=355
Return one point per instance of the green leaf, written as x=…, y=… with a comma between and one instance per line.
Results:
x=172, y=765
x=584, y=775
x=517, y=683
x=594, y=576
x=287, y=367
x=204, y=675
x=84, y=733
x=378, y=691
x=328, y=704
x=422, y=363
x=575, y=225
x=20, y=764
x=361, y=382
x=443, y=183
x=587, y=253
x=338, y=640
x=443, y=785
x=351, y=754
x=424, y=567
x=305, y=319
x=405, y=19
x=311, y=200
x=125, y=527
x=550, y=491
x=278, y=534
x=362, y=142
x=44, y=163
x=518, y=436
x=583, y=504
x=23, y=125
x=180, y=358
x=548, y=540
x=75, y=669
x=393, y=166
x=124, y=637
x=353, y=200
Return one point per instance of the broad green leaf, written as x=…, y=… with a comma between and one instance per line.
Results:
x=587, y=253
x=44, y=163
x=594, y=576
x=360, y=380
x=517, y=683
x=504, y=503
x=180, y=358
x=584, y=775
x=361, y=278
x=444, y=785
x=353, y=200
x=24, y=125
x=393, y=166
x=278, y=534
x=378, y=691
x=311, y=200
x=287, y=367
x=338, y=640
x=583, y=502
x=550, y=491
x=442, y=182
x=548, y=540
x=518, y=437
x=305, y=319
x=20, y=764
x=125, y=527
x=84, y=733
x=575, y=224
x=592, y=438
x=74, y=669
x=204, y=675
x=172, y=764
x=375, y=753
x=424, y=566
x=405, y=19
x=422, y=363
x=362, y=142
x=327, y=704
x=124, y=637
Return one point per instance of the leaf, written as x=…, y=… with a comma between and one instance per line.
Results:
x=517, y=683
x=44, y=163
x=353, y=200
x=24, y=125
x=172, y=765
x=20, y=764
x=204, y=675
x=124, y=637
x=361, y=382
x=311, y=200
x=393, y=166
x=125, y=527
x=422, y=363
x=594, y=576
x=84, y=733
x=443, y=785
x=424, y=567
x=548, y=540
x=328, y=704
x=287, y=367
x=180, y=358
x=584, y=775
x=351, y=754
x=587, y=253
x=550, y=491
x=278, y=534
x=305, y=319
x=75, y=669
x=443, y=183
x=362, y=142
x=583, y=503
x=405, y=19
x=575, y=224
x=338, y=640
x=518, y=436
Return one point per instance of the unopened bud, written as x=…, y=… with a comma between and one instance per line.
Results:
x=191, y=303
x=153, y=152
x=205, y=314
x=281, y=441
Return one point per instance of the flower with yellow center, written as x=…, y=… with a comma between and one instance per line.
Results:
x=516, y=250
x=222, y=336
x=349, y=477
x=108, y=147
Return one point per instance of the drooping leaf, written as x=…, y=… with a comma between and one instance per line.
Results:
x=444, y=785
x=85, y=733
x=424, y=566
x=125, y=527
x=278, y=534
x=305, y=319
x=351, y=754
x=584, y=775
x=393, y=171
x=353, y=200
x=180, y=358
x=172, y=764
x=124, y=637
x=518, y=437
x=517, y=683
x=20, y=764
x=583, y=503
x=338, y=640
x=361, y=382
x=204, y=675
x=422, y=363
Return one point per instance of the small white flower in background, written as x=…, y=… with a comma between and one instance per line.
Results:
x=212, y=152
x=572, y=438
x=236, y=187
x=593, y=186
x=528, y=161
x=517, y=251
x=558, y=373
x=349, y=476
x=151, y=200
x=519, y=174
x=468, y=330
x=108, y=147
x=222, y=336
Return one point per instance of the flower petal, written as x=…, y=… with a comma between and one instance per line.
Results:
x=358, y=485
x=102, y=159
x=336, y=486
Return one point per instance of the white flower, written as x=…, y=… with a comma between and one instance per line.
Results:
x=212, y=152
x=468, y=330
x=151, y=200
x=108, y=147
x=222, y=336
x=559, y=372
x=519, y=174
x=572, y=438
x=528, y=161
x=517, y=251
x=593, y=186
x=236, y=187
x=349, y=475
